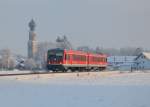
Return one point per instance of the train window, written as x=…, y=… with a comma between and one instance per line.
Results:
x=79, y=57
x=103, y=59
x=83, y=58
x=99, y=59
x=59, y=54
x=96, y=59
x=74, y=57
x=67, y=57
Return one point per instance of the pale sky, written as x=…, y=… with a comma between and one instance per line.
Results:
x=104, y=23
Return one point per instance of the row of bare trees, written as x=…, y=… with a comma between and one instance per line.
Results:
x=39, y=62
x=126, y=51
x=64, y=43
x=6, y=61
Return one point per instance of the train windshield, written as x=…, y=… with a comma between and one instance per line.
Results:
x=55, y=54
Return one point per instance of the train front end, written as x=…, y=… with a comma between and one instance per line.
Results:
x=55, y=59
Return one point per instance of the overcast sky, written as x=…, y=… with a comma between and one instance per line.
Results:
x=104, y=23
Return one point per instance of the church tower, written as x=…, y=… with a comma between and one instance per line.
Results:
x=32, y=43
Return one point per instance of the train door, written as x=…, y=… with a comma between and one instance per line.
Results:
x=88, y=60
x=67, y=58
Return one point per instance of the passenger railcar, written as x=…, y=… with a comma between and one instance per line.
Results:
x=63, y=60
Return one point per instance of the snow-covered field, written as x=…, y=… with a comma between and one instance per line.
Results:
x=106, y=89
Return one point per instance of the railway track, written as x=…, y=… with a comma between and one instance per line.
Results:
x=35, y=73
x=14, y=74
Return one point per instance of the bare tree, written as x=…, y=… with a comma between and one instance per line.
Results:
x=98, y=50
x=41, y=55
x=30, y=64
x=63, y=42
x=125, y=51
x=1, y=63
x=7, y=61
x=84, y=48
x=138, y=51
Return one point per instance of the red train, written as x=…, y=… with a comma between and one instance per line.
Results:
x=64, y=60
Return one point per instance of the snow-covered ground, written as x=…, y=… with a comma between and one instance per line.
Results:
x=108, y=89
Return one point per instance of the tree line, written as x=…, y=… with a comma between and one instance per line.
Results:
x=9, y=62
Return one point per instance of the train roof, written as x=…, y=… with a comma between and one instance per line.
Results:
x=56, y=49
x=77, y=52
x=82, y=52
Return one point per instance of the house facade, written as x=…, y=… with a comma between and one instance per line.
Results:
x=120, y=62
x=142, y=61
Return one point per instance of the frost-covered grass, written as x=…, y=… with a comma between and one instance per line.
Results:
x=102, y=90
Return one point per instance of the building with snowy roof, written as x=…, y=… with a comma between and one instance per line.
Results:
x=142, y=61
x=121, y=62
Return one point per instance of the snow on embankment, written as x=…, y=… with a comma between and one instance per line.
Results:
x=87, y=78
